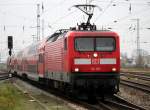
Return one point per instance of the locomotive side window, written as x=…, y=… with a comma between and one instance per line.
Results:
x=105, y=44
x=52, y=39
x=84, y=44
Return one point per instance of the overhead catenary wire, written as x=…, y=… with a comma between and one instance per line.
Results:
x=119, y=20
x=55, y=22
x=16, y=15
x=16, y=4
x=49, y=9
x=104, y=10
x=25, y=4
x=62, y=17
x=135, y=2
x=19, y=16
x=113, y=2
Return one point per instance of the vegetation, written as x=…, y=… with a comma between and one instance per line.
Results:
x=7, y=97
x=13, y=99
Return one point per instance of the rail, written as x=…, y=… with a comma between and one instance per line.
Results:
x=142, y=76
x=57, y=95
x=117, y=103
x=140, y=86
x=107, y=104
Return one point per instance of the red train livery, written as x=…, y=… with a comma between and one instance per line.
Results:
x=80, y=60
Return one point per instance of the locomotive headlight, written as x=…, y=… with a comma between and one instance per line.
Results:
x=113, y=69
x=76, y=69
x=95, y=54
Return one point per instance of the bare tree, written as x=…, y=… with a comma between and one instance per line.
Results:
x=140, y=59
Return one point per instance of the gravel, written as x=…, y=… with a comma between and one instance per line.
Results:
x=47, y=99
x=135, y=96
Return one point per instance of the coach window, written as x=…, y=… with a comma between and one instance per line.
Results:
x=41, y=59
x=65, y=44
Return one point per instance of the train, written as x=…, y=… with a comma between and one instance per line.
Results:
x=81, y=59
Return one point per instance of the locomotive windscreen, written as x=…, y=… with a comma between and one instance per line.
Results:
x=95, y=44
x=81, y=44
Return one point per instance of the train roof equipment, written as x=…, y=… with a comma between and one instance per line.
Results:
x=88, y=10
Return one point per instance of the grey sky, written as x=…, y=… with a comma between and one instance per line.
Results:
x=16, y=14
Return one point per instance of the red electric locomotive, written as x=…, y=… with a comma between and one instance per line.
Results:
x=82, y=59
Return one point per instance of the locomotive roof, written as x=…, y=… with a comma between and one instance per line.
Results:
x=94, y=32
x=67, y=31
x=32, y=49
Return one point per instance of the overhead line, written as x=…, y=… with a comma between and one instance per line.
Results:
x=126, y=2
x=12, y=4
x=21, y=17
x=59, y=4
x=104, y=10
x=127, y=16
x=61, y=18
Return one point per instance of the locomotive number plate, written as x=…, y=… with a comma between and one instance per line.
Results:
x=95, y=61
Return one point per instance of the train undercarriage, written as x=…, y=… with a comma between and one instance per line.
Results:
x=87, y=84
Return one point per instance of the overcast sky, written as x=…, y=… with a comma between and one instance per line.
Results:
x=18, y=18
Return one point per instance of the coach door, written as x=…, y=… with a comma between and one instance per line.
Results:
x=41, y=65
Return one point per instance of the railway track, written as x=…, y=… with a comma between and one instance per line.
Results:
x=140, y=86
x=117, y=103
x=113, y=103
x=142, y=76
x=59, y=96
x=137, y=73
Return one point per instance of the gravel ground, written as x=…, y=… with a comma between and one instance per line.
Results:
x=135, y=96
x=51, y=102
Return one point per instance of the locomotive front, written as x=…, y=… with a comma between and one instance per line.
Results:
x=95, y=60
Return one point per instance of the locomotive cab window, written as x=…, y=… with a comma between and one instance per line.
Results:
x=95, y=44
x=105, y=44
x=84, y=44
